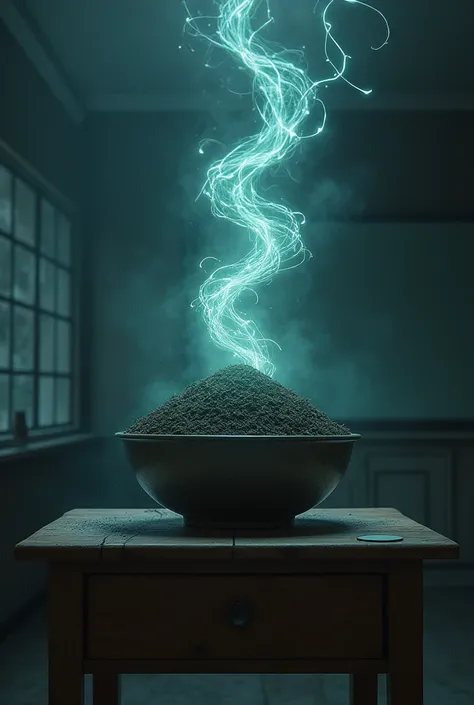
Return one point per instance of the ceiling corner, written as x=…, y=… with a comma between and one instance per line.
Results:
x=18, y=20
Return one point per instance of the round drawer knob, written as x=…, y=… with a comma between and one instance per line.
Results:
x=239, y=614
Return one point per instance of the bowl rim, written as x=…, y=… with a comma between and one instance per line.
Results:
x=150, y=437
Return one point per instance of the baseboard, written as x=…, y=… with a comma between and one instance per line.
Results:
x=13, y=622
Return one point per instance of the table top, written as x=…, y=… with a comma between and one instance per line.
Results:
x=140, y=534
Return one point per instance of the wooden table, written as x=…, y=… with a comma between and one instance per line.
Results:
x=134, y=591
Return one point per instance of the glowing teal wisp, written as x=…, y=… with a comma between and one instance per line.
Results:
x=283, y=94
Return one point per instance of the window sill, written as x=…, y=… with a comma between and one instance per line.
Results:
x=35, y=447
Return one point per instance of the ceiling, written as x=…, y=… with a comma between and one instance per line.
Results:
x=123, y=54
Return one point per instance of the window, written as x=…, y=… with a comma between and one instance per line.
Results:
x=36, y=308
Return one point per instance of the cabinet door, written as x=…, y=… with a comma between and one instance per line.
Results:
x=416, y=482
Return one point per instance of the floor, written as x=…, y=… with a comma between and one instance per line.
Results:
x=449, y=668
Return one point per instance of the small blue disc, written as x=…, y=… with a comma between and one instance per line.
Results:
x=380, y=538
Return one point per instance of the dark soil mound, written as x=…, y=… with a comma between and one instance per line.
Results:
x=238, y=400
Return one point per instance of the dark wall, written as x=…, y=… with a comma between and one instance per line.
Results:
x=402, y=165
x=140, y=243
x=34, y=124
x=379, y=323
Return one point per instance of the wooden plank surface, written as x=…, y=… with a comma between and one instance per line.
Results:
x=200, y=666
x=324, y=534
x=405, y=635
x=105, y=534
x=363, y=689
x=327, y=534
x=66, y=635
x=106, y=688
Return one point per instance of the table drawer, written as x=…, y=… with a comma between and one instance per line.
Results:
x=234, y=617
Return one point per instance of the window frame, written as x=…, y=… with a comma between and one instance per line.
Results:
x=43, y=189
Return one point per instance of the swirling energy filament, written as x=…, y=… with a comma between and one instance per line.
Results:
x=283, y=94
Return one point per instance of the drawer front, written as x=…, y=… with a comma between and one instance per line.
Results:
x=234, y=617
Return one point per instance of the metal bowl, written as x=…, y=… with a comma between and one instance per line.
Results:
x=238, y=481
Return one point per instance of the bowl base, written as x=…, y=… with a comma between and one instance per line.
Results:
x=196, y=523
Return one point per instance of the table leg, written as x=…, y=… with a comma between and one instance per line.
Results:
x=65, y=647
x=363, y=689
x=405, y=635
x=106, y=688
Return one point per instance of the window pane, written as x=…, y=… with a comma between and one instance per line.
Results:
x=5, y=266
x=46, y=344
x=63, y=350
x=25, y=276
x=4, y=396
x=25, y=213
x=47, y=277
x=64, y=293
x=48, y=228
x=4, y=334
x=46, y=401
x=64, y=240
x=5, y=200
x=23, y=396
x=62, y=400
x=23, y=338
